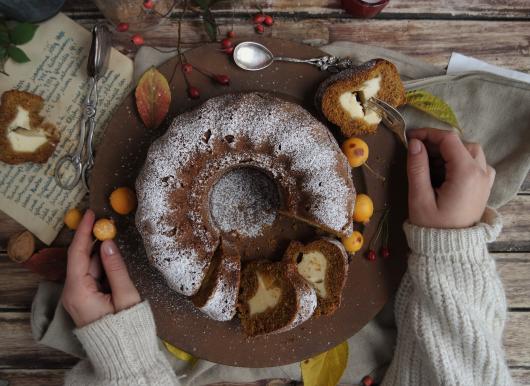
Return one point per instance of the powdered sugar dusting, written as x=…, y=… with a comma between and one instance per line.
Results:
x=252, y=129
x=222, y=303
x=243, y=201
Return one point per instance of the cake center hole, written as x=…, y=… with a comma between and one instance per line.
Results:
x=244, y=201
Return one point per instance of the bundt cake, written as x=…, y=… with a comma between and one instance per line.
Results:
x=24, y=135
x=218, y=294
x=342, y=97
x=274, y=298
x=201, y=182
x=323, y=264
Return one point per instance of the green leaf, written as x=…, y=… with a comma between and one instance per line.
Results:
x=4, y=38
x=325, y=369
x=204, y=4
x=17, y=54
x=432, y=105
x=210, y=25
x=22, y=33
x=3, y=52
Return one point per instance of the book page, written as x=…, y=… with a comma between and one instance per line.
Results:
x=57, y=72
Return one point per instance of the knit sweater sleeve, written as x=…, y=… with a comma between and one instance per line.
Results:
x=450, y=310
x=122, y=349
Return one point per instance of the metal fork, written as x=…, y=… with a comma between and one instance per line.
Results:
x=390, y=116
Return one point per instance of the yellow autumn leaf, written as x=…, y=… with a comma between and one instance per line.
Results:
x=178, y=353
x=327, y=368
x=432, y=105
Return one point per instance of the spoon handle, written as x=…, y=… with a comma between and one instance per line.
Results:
x=324, y=63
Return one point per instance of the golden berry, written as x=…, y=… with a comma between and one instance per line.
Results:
x=354, y=242
x=104, y=229
x=72, y=218
x=356, y=151
x=364, y=208
x=123, y=200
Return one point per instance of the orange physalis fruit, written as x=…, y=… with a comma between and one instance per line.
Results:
x=364, y=208
x=354, y=242
x=72, y=218
x=104, y=229
x=356, y=151
x=123, y=200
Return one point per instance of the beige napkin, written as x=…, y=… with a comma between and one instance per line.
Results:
x=492, y=110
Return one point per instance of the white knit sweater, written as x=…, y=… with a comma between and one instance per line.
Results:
x=450, y=313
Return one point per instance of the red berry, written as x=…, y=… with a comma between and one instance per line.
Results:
x=222, y=79
x=148, y=4
x=231, y=34
x=268, y=21
x=122, y=27
x=187, y=68
x=371, y=255
x=367, y=380
x=226, y=43
x=258, y=18
x=259, y=28
x=137, y=39
x=385, y=252
x=228, y=50
x=193, y=92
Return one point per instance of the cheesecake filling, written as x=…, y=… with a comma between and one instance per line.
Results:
x=22, y=137
x=353, y=101
x=267, y=295
x=313, y=267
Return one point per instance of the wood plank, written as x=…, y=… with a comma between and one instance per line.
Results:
x=19, y=350
x=515, y=277
x=517, y=339
x=17, y=285
x=515, y=235
x=521, y=376
x=498, y=42
x=40, y=377
x=397, y=8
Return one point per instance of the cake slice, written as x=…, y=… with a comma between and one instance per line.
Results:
x=218, y=294
x=342, y=97
x=324, y=265
x=274, y=298
x=24, y=135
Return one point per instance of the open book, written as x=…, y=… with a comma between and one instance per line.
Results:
x=56, y=72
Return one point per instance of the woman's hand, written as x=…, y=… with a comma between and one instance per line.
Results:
x=83, y=297
x=461, y=199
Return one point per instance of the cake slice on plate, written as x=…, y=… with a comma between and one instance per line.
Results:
x=324, y=265
x=24, y=135
x=342, y=97
x=218, y=294
x=274, y=298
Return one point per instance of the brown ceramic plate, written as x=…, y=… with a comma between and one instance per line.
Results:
x=370, y=284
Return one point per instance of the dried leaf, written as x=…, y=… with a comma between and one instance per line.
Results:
x=327, y=368
x=152, y=98
x=432, y=105
x=50, y=263
x=178, y=353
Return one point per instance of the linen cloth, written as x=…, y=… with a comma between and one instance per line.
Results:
x=492, y=111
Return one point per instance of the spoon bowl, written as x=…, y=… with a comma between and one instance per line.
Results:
x=252, y=56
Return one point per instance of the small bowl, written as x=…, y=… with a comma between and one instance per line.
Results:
x=363, y=9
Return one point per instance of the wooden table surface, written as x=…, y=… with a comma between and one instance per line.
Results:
x=497, y=31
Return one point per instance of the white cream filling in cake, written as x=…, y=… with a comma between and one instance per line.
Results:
x=22, y=137
x=313, y=268
x=352, y=101
x=267, y=295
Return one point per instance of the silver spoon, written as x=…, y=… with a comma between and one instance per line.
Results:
x=252, y=56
